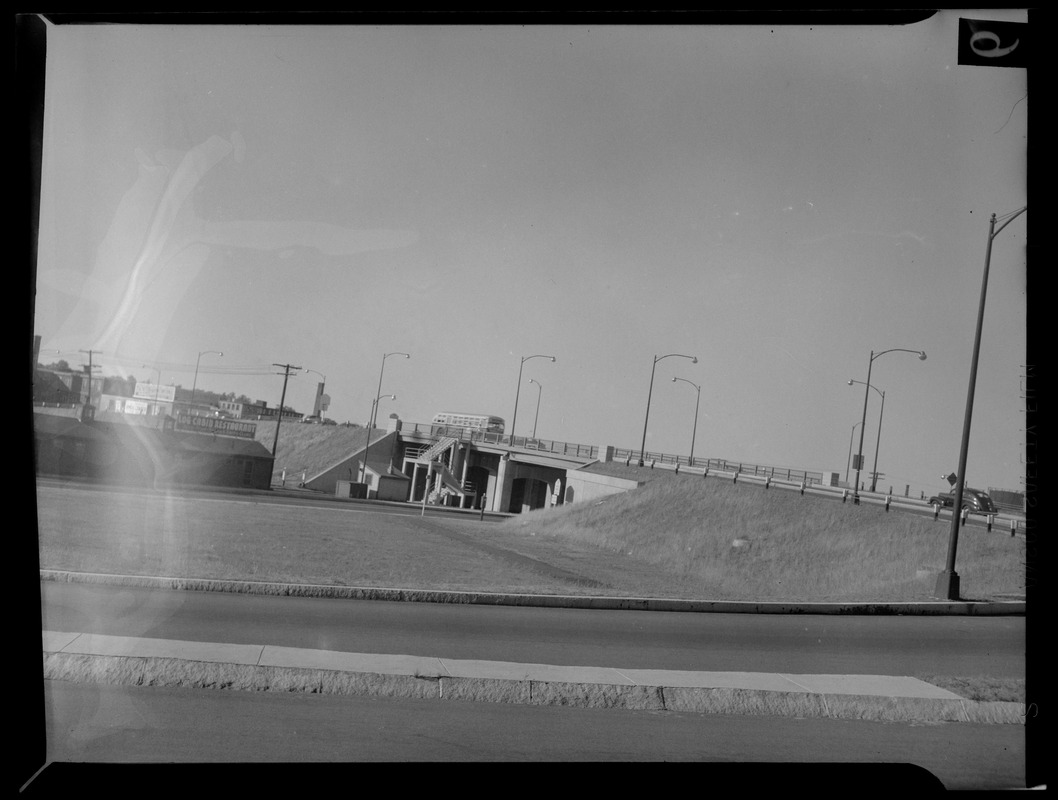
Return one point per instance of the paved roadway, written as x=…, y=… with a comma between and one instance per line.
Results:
x=276, y=496
x=907, y=644
x=154, y=675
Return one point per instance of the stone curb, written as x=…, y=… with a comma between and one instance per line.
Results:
x=926, y=608
x=180, y=673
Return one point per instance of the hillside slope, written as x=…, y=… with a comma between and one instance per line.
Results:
x=740, y=541
x=311, y=448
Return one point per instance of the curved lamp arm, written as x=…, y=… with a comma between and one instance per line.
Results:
x=866, y=395
x=646, y=419
x=518, y=391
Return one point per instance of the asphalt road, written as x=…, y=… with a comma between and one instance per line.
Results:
x=278, y=496
x=810, y=644
x=90, y=725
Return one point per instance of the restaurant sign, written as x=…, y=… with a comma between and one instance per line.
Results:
x=219, y=426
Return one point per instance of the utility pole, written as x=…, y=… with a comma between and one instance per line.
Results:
x=88, y=400
x=282, y=399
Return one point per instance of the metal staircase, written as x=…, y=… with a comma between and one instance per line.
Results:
x=432, y=457
x=433, y=452
x=449, y=480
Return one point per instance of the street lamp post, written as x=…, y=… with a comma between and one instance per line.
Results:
x=539, y=391
x=514, y=417
x=378, y=394
x=374, y=409
x=367, y=444
x=866, y=396
x=948, y=580
x=316, y=410
x=194, y=385
x=848, y=460
x=646, y=419
x=878, y=441
x=694, y=432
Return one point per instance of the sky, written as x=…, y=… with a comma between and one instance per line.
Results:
x=778, y=202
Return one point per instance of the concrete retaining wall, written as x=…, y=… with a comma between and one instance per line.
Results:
x=583, y=486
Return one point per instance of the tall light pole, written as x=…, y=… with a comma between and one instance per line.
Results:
x=878, y=442
x=849, y=459
x=948, y=580
x=866, y=396
x=367, y=445
x=514, y=417
x=194, y=385
x=539, y=391
x=374, y=410
x=316, y=410
x=643, y=448
x=694, y=433
x=378, y=394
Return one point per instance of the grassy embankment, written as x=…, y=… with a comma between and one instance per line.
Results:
x=309, y=448
x=746, y=542
x=742, y=542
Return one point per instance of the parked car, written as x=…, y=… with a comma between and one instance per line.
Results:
x=973, y=500
x=308, y=420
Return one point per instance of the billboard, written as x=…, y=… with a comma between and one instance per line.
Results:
x=136, y=407
x=155, y=391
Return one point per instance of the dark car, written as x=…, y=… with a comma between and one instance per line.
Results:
x=943, y=500
x=973, y=500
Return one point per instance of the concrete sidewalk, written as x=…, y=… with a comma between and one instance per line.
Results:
x=125, y=660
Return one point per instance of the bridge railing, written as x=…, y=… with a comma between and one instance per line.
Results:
x=454, y=432
x=585, y=451
x=741, y=467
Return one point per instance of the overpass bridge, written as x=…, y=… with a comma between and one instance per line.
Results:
x=477, y=469
x=473, y=469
